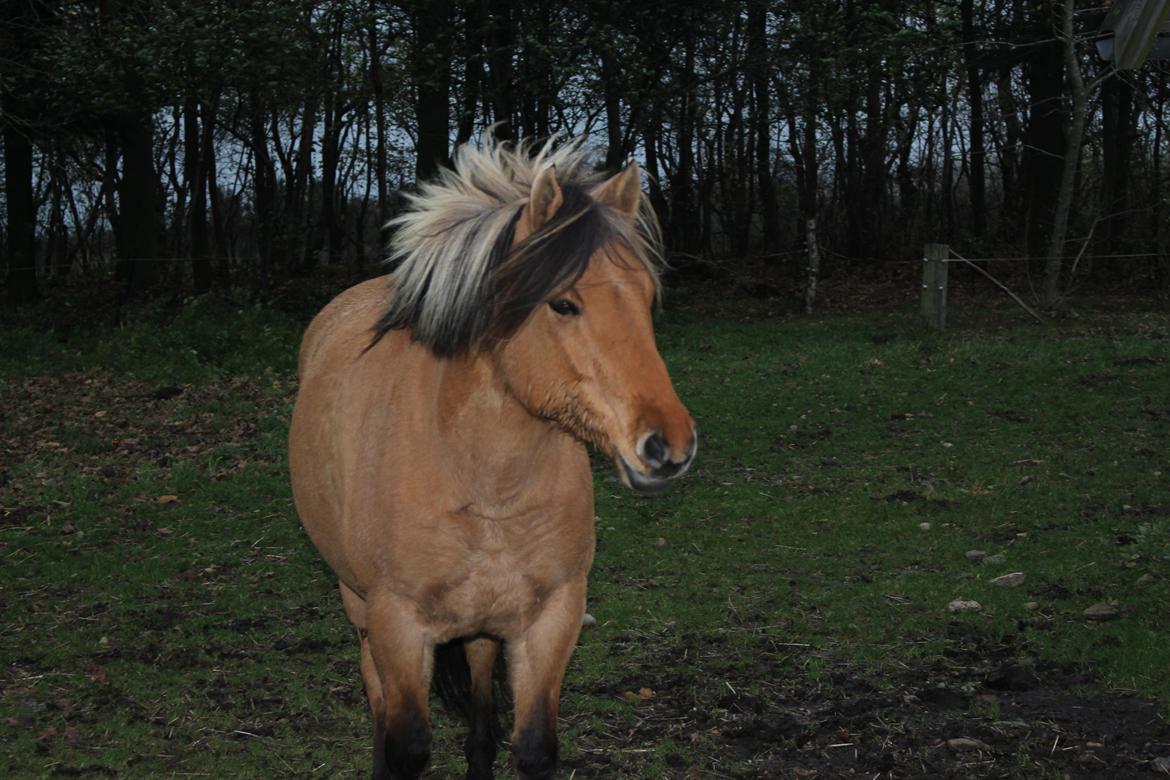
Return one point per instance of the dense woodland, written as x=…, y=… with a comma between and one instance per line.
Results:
x=190, y=144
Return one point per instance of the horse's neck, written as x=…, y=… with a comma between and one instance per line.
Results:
x=493, y=443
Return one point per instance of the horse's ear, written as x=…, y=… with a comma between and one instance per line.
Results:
x=545, y=199
x=622, y=191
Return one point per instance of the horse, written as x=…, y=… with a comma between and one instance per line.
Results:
x=438, y=440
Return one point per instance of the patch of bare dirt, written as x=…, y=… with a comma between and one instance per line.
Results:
x=984, y=710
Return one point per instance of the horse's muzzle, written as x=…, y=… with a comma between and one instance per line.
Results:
x=661, y=469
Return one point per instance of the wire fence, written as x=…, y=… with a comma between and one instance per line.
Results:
x=1132, y=256
x=936, y=258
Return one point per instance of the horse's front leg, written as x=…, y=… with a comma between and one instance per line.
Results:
x=537, y=660
x=403, y=658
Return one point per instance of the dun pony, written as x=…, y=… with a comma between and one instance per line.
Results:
x=437, y=446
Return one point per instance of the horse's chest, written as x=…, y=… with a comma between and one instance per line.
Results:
x=499, y=585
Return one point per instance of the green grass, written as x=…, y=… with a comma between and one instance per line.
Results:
x=147, y=637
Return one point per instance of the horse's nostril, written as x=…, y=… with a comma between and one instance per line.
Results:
x=654, y=450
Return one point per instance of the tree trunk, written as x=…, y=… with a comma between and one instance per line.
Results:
x=297, y=231
x=264, y=185
x=684, y=222
x=757, y=56
x=196, y=175
x=977, y=176
x=1012, y=203
x=222, y=265
x=378, y=88
x=1044, y=146
x=873, y=180
x=1117, y=137
x=139, y=225
x=650, y=144
x=500, y=40
x=21, y=277
x=813, y=270
x=473, y=23
x=1053, y=264
x=615, y=153
x=947, y=185
x=330, y=156
x=18, y=182
x=431, y=63
x=810, y=161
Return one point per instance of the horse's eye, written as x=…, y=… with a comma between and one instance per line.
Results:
x=564, y=307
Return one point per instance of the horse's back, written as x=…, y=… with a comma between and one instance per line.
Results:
x=346, y=321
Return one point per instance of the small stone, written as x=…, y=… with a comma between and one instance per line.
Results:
x=1012, y=580
x=964, y=744
x=1145, y=579
x=1101, y=611
x=995, y=560
x=976, y=555
x=660, y=542
x=588, y=620
x=1161, y=764
x=1031, y=606
x=963, y=605
x=924, y=526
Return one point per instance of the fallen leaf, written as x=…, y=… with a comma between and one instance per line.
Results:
x=167, y=499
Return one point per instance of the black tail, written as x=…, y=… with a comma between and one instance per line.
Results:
x=452, y=681
x=452, y=678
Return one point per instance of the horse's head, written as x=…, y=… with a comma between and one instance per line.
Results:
x=553, y=275
x=585, y=356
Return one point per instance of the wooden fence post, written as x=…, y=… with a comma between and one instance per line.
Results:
x=934, y=285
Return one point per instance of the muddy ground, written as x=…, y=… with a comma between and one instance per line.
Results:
x=983, y=711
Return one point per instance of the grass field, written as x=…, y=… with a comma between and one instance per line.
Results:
x=781, y=613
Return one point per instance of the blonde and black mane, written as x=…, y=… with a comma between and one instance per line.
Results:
x=460, y=281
